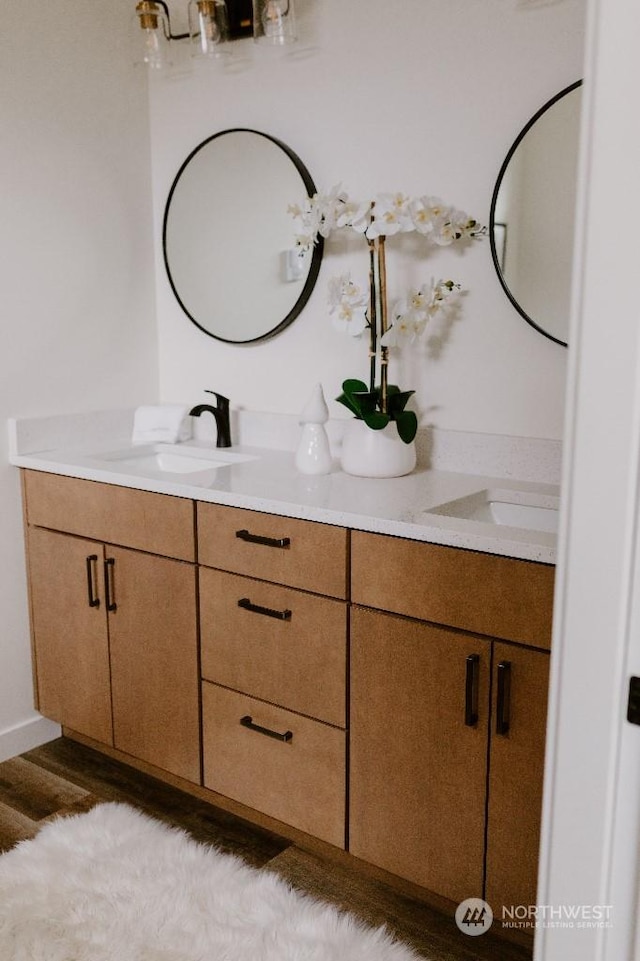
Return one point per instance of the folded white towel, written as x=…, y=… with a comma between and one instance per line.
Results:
x=168, y=423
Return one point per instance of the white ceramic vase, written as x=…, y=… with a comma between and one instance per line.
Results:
x=376, y=453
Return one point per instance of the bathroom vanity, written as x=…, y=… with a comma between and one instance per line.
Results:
x=377, y=683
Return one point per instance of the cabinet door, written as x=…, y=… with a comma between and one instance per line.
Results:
x=518, y=724
x=418, y=771
x=154, y=660
x=69, y=626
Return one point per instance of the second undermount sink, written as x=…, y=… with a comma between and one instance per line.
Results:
x=506, y=508
x=172, y=458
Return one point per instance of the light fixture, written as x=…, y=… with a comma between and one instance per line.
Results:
x=208, y=27
x=152, y=39
x=212, y=24
x=274, y=22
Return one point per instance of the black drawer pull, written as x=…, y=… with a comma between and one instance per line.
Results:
x=503, y=706
x=109, y=584
x=92, y=564
x=246, y=605
x=247, y=721
x=471, y=690
x=267, y=541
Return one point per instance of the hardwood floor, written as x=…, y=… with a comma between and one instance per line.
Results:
x=64, y=777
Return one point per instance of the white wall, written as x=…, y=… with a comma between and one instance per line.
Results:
x=423, y=97
x=76, y=264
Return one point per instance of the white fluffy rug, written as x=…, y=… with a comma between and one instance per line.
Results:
x=115, y=885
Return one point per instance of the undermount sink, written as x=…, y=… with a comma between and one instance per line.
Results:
x=506, y=508
x=173, y=458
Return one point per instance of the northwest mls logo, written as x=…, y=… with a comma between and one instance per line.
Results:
x=474, y=916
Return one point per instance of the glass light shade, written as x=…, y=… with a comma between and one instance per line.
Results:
x=208, y=28
x=151, y=36
x=274, y=22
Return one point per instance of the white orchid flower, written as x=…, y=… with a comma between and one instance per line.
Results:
x=348, y=303
x=391, y=215
x=404, y=329
x=407, y=323
x=418, y=300
x=354, y=214
x=329, y=205
x=411, y=315
x=350, y=319
x=444, y=293
x=305, y=241
x=422, y=216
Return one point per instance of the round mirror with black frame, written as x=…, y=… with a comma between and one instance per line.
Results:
x=228, y=237
x=532, y=219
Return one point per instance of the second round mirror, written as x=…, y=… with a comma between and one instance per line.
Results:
x=533, y=215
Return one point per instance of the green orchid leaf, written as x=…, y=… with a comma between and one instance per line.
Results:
x=397, y=401
x=353, y=386
x=349, y=403
x=352, y=390
x=375, y=420
x=407, y=425
x=368, y=401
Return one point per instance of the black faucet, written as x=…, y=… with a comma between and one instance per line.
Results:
x=221, y=414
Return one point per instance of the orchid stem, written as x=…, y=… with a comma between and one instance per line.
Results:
x=384, y=351
x=373, y=316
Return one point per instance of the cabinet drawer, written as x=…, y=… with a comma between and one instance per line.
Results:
x=275, y=643
x=300, y=781
x=156, y=523
x=282, y=549
x=483, y=593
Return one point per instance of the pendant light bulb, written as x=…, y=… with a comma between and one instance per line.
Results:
x=208, y=28
x=272, y=18
x=274, y=22
x=152, y=36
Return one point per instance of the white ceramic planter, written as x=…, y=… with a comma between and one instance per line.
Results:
x=376, y=453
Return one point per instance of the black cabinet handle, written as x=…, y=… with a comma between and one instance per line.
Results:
x=247, y=721
x=92, y=570
x=246, y=605
x=259, y=539
x=471, y=690
x=503, y=705
x=109, y=584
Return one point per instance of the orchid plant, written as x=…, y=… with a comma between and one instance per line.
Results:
x=356, y=305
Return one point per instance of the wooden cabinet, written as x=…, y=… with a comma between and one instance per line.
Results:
x=425, y=783
x=114, y=629
x=404, y=679
x=417, y=772
x=274, y=665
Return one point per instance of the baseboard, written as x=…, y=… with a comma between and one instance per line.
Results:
x=27, y=735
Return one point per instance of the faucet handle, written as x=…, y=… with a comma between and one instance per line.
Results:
x=222, y=400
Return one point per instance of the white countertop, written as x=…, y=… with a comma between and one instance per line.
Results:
x=269, y=482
